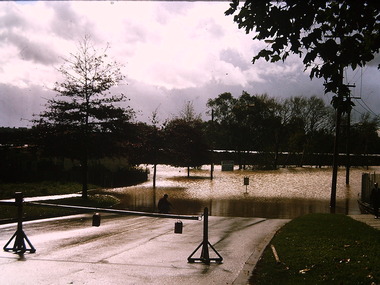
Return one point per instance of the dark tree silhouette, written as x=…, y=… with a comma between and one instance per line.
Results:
x=185, y=143
x=85, y=119
x=328, y=35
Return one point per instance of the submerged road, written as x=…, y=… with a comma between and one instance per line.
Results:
x=134, y=250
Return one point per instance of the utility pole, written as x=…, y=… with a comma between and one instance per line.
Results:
x=336, y=154
x=212, y=146
x=339, y=110
x=348, y=136
x=348, y=143
x=336, y=143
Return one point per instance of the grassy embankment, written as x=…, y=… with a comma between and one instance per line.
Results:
x=321, y=249
x=7, y=191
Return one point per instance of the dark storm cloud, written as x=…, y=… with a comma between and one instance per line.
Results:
x=135, y=33
x=375, y=61
x=208, y=26
x=285, y=87
x=168, y=9
x=11, y=18
x=14, y=27
x=235, y=58
x=17, y=105
x=68, y=24
x=38, y=52
x=169, y=102
x=155, y=99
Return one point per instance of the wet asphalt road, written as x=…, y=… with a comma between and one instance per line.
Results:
x=134, y=250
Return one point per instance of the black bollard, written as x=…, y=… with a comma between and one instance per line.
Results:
x=178, y=226
x=96, y=220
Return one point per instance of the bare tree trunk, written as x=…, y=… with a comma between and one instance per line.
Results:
x=85, y=176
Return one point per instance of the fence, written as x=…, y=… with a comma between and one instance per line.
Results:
x=368, y=180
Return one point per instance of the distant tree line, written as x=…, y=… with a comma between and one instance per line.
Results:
x=294, y=125
x=269, y=126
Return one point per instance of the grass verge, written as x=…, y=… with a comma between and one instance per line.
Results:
x=321, y=249
x=33, y=189
x=9, y=212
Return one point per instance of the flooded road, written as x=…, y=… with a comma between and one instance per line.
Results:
x=284, y=193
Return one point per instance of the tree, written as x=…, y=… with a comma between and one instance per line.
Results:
x=185, y=143
x=223, y=121
x=249, y=122
x=329, y=35
x=188, y=113
x=365, y=135
x=150, y=144
x=83, y=120
x=304, y=120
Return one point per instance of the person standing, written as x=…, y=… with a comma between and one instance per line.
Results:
x=164, y=205
x=375, y=199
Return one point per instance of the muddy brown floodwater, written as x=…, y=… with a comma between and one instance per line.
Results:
x=283, y=193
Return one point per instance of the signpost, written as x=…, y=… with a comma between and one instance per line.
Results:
x=246, y=183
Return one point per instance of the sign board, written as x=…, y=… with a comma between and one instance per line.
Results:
x=227, y=165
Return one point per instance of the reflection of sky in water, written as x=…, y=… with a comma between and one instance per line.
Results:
x=287, y=192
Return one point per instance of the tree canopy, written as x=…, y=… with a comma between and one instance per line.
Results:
x=328, y=35
x=262, y=123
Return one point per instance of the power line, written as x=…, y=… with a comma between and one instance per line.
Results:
x=361, y=114
x=354, y=80
x=369, y=108
x=360, y=98
x=365, y=106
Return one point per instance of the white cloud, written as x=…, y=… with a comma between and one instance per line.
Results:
x=172, y=52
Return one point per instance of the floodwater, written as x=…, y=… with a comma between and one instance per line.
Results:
x=283, y=193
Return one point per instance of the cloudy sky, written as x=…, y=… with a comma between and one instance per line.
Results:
x=171, y=52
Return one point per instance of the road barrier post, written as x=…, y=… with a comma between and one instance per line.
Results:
x=19, y=236
x=96, y=220
x=205, y=255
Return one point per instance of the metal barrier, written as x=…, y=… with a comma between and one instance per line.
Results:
x=205, y=256
x=20, y=237
x=115, y=211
